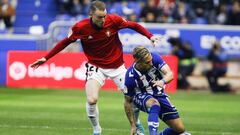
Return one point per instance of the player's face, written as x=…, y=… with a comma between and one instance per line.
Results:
x=98, y=18
x=146, y=63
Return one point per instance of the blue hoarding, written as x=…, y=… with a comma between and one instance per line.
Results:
x=8, y=44
x=201, y=37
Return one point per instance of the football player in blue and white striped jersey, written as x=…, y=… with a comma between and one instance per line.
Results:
x=145, y=81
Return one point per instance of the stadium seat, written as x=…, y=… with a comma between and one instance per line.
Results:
x=34, y=13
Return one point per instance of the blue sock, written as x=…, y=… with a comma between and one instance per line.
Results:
x=153, y=120
x=168, y=131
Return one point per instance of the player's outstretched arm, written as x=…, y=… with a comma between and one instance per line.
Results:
x=123, y=23
x=128, y=106
x=59, y=47
x=38, y=62
x=140, y=29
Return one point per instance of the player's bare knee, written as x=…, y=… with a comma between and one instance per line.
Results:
x=180, y=128
x=176, y=125
x=152, y=102
x=92, y=101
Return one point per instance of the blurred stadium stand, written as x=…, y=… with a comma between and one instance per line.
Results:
x=43, y=12
x=34, y=13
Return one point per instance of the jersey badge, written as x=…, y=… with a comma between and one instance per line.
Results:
x=108, y=33
x=90, y=37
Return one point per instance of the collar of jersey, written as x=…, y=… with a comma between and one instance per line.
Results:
x=94, y=25
x=138, y=72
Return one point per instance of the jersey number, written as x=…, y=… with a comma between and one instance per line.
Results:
x=90, y=68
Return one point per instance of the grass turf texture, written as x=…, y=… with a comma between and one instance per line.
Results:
x=62, y=112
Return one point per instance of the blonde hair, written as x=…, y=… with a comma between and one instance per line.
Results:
x=140, y=53
x=97, y=5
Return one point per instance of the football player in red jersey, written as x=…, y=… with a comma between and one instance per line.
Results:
x=103, y=49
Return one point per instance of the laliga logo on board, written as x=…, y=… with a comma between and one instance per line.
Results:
x=18, y=71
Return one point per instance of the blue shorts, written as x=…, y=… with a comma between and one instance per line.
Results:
x=167, y=112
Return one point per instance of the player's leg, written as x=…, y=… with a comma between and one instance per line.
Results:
x=118, y=76
x=154, y=109
x=171, y=117
x=147, y=103
x=92, y=91
x=176, y=127
x=139, y=126
x=95, y=80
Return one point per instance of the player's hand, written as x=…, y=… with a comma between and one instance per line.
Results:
x=133, y=130
x=159, y=83
x=155, y=40
x=38, y=62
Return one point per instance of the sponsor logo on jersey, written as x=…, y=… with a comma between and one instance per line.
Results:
x=130, y=74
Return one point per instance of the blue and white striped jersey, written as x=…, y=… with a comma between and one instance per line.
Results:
x=140, y=82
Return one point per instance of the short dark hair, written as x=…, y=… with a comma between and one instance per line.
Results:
x=140, y=53
x=97, y=5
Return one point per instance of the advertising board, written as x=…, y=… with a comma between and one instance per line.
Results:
x=65, y=70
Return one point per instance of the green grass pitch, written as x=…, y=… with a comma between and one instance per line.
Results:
x=62, y=112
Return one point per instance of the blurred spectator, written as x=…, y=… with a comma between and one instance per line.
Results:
x=150, y=12
x=218, y=15
x=163, y=11
x=7, y=12
x=167, y=7
x=234, y=14
x=182, y=13
x=150, y=18
x=219, y=68
x=64, y=6
x=216, y=3
x=200, y=9
x=200, y=16
x=186, y=61
x=76, y=8
x=126, y=8
x=86, y=6
x=133, y=17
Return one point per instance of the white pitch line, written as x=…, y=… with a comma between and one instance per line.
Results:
x=106, y=129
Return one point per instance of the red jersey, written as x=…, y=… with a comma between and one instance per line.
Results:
x=101, y=46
